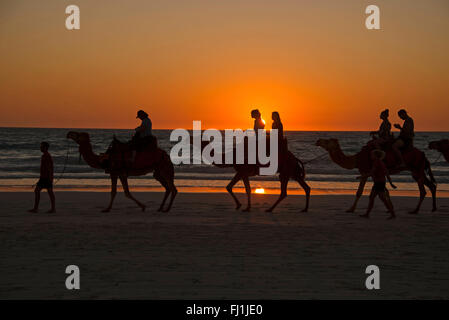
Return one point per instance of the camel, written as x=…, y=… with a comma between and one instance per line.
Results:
x=441, y=146
x=156, y=161
x=416, y=162
x=290, y=167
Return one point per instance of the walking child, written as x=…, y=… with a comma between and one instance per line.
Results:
x=45, y=180
x=379, y=173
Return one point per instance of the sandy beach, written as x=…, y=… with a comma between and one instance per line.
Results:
x=204, y=249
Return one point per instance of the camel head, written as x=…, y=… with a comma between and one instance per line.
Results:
x=328, y=144
x=79, y=137
x=439, y=145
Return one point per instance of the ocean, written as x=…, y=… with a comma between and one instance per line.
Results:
x=20, y=160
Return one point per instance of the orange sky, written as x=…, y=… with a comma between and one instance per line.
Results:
x=312, y=61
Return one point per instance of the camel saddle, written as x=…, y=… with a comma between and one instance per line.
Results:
x=391, y=160
x=118, y=156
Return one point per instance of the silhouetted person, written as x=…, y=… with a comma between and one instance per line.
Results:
x=282, y=142
x=384, y=132
x=277, y=124
x=143, y=136
x=383, y=135
x=258, y=125
x=145, y=128
x=378, y=173
x=258, y=122
x=405, y=139
x=45, y=180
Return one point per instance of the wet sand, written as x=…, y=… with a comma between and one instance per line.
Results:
x=204, y=249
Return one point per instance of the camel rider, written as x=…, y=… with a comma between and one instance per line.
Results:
x=406, y=135
x=258, y=122
x=143, y=138
x=382, y=135
x=277, y=124
x=282, y=142
x=145, y=129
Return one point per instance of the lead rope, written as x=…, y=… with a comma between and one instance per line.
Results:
x=316, y=158
x=65, y=163
x=437, y=159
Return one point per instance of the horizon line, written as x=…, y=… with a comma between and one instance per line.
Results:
x=31, y=127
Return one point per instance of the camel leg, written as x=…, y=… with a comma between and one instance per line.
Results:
x=358, y=194
x=124, y=181
x=231, y=184
x=422, y=194
x=284, y=183
x=174, y=192
x=248, y=193
x=306, y=188
x=433, y=189
x=113, y=193
x=162, y=181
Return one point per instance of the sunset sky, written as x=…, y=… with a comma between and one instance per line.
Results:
x=312, y=61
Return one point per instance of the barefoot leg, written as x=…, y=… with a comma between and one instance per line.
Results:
x=51, y=194
x=37, y=197
x=372, y=197
x=388, y=204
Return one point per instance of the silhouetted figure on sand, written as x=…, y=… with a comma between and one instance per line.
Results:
x=383, y=135
x=378, y=173
x=406, y=135
x=45, y=180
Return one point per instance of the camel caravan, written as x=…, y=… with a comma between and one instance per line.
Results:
x=382, y=156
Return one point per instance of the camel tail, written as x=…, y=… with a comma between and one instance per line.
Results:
x=171, y=168
x=301, y=167
x=429, y=171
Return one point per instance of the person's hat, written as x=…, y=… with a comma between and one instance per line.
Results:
x=379, y=154
x=141, y=113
